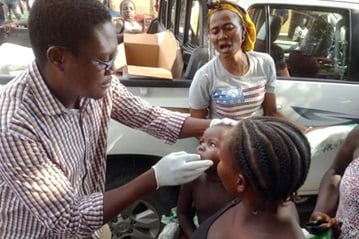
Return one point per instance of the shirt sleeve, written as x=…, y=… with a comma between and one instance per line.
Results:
x=199, y=91
x=42, y=186
x=272, y=76
x=135, y=112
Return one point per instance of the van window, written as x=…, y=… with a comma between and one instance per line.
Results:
x=313, y=41
x=173, y=16
x=182, y=18
x=194, y=29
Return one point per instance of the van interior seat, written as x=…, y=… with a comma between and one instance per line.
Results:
x=261, y=44
x=198, y=58
x=275, y=24
x=316, y=44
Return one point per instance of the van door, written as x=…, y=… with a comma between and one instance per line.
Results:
x=314, y=44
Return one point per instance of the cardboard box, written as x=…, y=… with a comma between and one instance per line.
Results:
x=154, y=55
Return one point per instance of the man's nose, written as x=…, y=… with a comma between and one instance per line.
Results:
x=110, y=70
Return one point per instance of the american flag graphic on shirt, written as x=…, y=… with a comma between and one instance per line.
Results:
x=238, y=103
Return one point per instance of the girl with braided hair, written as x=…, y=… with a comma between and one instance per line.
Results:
x=264, y=161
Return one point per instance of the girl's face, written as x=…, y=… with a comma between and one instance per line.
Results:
x=128, y=10
x=226, y=32
x=226, y=170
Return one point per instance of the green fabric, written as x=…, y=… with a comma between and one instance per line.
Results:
x=324, y=235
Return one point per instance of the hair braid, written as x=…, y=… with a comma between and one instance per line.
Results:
x=274, y=156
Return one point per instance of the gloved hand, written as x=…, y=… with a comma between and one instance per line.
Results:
x=320, y=222
x=226, y=121
x=179, y=168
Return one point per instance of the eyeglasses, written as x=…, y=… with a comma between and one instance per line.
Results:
x=100, y=64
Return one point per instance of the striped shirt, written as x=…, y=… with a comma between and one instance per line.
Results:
x=230, y=96
x=53, y=159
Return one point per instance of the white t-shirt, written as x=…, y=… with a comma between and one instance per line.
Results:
x=227, y=95
x=31, y=2
x=299, y=33
x=133, y=27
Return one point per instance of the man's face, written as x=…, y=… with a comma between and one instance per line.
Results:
x=89, y=70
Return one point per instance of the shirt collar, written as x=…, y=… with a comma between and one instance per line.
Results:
x=48, y=103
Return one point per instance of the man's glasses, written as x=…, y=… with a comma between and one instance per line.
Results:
x=100, y=64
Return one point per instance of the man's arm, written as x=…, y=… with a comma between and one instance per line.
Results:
x=194, y=127
x=173, y=169
x=158, y=122
x=116, y=200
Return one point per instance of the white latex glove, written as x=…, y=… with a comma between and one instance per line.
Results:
x=226, y=121
x=179, y=168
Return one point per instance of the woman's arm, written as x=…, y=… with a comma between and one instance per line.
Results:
x=270, y=109
x=329, y=187
x=328, y=196
x=201, y=113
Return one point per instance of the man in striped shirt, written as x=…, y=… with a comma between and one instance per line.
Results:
x=53, y=128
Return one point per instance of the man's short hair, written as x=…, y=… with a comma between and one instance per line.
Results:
x=67, y=23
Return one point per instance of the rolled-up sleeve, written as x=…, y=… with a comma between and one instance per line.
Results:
x=137, y=113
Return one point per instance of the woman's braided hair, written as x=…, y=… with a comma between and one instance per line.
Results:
x=273, y=155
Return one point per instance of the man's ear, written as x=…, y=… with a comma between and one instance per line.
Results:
x=241, y=183
x=55, y=57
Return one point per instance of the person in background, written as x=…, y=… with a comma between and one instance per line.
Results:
x=237, y=83
x=205, y=195
x=54, y=121
x=264, y=161
x=337, y=206
x=128, y=23
x=300, y=31
x=276, y=52
x=13, y=6
x=19, y=22
x=2, y=13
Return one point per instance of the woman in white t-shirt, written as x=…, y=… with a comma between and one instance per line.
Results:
x=238, y=82
x=127, y=22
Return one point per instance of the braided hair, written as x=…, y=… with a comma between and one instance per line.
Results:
x=273, y=155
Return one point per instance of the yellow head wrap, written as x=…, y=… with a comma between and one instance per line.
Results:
x=248, y=43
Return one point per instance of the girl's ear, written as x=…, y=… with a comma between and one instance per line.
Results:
x=241, y=183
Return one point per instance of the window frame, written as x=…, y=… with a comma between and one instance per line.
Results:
x=266, y=9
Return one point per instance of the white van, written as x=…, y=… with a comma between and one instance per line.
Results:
x=323, y=89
